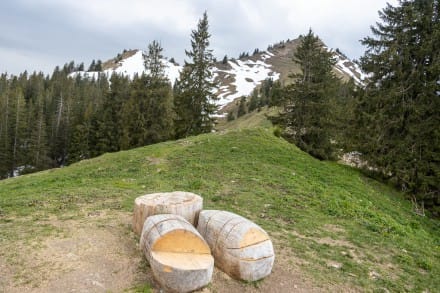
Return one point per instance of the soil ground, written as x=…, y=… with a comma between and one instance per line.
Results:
x=99, y=253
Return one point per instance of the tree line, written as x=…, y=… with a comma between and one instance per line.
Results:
x=51, y=121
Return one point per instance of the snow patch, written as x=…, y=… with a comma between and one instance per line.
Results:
x=132, y=66
x=247, y=75
x=351, y=69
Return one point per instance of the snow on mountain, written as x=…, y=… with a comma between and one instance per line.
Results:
x=237, y=77
x=247, y=75
x=131, y=66
x=350, y=68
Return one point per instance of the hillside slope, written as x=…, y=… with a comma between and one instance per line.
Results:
x=333, y=229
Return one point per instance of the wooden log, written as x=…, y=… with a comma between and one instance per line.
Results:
x=241, y=248
x=186, y=204
x=180, y=259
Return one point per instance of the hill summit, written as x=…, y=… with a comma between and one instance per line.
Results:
x=333, y=229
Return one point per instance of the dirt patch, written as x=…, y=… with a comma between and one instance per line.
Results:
x=285, y=277
x=155, y=161
x=98, y=252
x=334, y=228
x=326, y=240
x=334, y=242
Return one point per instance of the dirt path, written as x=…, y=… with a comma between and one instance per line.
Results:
x=99, y=253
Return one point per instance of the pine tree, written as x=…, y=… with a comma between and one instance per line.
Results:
x=106, y=123
x=195, y=103
x=306, y=119
x=242, y=108
x=92, y=66
x=61, y=116
x=153, y=60
x=80, y=146
x=4, y=127
x=254, y=101
x=17, y=128
x=98, y=65
x=38, y=145
x=400, y=111
x=160, y=115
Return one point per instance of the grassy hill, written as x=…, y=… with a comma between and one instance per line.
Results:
x=333, y=228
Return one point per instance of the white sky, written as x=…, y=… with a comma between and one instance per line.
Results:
x=37, y=35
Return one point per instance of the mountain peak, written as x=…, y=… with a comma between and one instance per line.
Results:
x=236, y=77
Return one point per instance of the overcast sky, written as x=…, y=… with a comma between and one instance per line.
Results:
x=37, y=35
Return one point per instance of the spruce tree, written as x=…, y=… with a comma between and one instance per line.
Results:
x=306, y=119
x=5, y=109
x=400, y=111
x=160, y=113
x=195, y=103
x=242, y=107
x=38, y=144
x=153, y=60
x=254, y=101
x=92, y=66
x=17, y=128
x=106, y=123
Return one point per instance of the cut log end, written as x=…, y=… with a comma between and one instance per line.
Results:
x=186, y=204
x=180, y=259
x=181, y=241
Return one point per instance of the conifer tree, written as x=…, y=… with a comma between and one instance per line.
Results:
x=17, y=128
x=159, y=92
x=80, y=146
x=254, y=101
x=306, y=119
x=400, y=111
x=106, y=123
x=92, y=66
x=38, y=144
x=4, y=126
x=242, y=108
x=153, y=60
x=195, y=103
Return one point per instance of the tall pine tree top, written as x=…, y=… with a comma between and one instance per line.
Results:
x=153, y=60
x=195, y=104
x=315, y=62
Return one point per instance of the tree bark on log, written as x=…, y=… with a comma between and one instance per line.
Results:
x=241, y=248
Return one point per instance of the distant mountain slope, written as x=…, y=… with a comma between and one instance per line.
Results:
x=130, y=64
x=237, y=77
